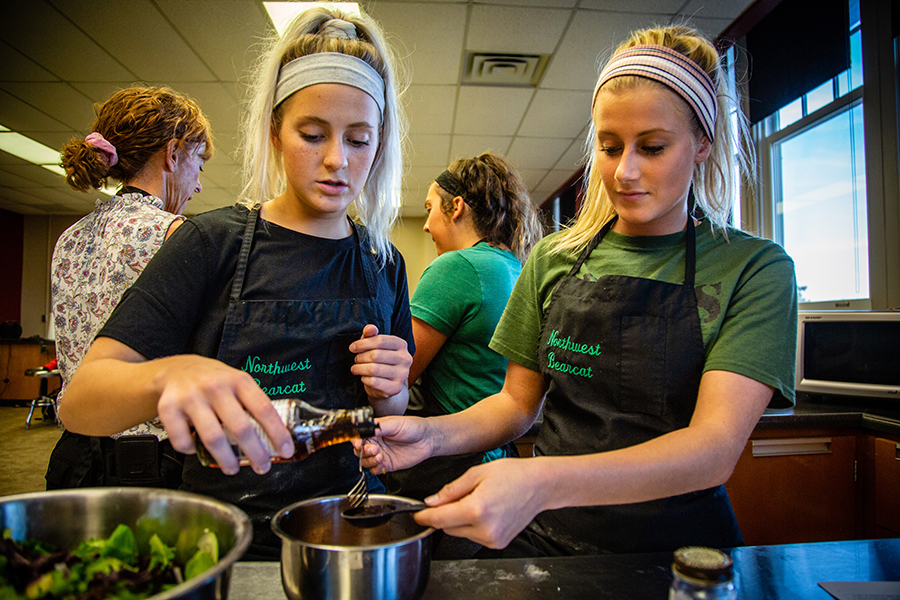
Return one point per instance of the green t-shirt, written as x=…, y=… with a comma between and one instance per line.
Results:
x=746, y=294
x=462, y=294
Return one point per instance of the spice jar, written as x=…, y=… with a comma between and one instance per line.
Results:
x=311, y=429
x=702, y=574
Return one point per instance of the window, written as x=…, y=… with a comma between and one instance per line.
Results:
x=813, y=158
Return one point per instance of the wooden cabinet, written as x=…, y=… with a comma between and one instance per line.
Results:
x=15, y=357
x=887, y=488
x=796, y=486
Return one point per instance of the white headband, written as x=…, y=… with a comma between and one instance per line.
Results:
x=673, y=69
x=329, y=67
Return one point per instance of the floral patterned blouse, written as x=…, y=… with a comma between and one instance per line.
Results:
x=94, y=262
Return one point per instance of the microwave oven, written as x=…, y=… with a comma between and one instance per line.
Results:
x=849, y=353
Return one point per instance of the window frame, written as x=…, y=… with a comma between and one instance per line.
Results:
x=879, y=96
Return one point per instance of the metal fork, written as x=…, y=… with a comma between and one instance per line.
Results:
x=359, y=493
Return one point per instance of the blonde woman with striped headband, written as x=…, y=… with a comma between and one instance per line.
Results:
x=650, y=336
x=280, y=296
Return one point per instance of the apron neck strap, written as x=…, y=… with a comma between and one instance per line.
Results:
x=365, y=251
x=690, y=250
x=244, y=256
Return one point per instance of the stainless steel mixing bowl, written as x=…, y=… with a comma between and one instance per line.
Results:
x=68, y=517
x=324, y=556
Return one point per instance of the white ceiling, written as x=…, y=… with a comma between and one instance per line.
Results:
x=58, y=57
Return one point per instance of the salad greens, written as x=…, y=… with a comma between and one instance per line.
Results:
x=108, y=569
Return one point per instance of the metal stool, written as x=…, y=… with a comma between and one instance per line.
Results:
x=45, y=401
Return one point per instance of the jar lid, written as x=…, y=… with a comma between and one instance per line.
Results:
x=707, y=564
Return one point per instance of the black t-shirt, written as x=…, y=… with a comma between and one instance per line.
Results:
x=178, y=304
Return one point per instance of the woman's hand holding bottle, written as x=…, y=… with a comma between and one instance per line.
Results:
x=209, y=397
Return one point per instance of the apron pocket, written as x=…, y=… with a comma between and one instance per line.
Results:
x=642, y=365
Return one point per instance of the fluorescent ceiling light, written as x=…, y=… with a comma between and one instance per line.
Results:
x=34, y=152
x=27, y=149
x=282, y=13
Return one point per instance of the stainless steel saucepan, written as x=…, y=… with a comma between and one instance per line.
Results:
x=325, y=556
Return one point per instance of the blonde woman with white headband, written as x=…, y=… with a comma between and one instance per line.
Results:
x=279, y=296
x=650, y=335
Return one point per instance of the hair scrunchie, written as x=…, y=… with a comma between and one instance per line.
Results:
x=108, y=150
x=338, y=28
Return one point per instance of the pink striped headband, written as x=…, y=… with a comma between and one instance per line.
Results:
x=674, y=70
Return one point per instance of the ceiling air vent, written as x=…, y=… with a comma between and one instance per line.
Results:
x=523, y=70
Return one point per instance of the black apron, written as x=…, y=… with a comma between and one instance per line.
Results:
x=624, y=357
x=313, y=338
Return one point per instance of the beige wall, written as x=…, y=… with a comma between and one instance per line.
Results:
x=41, y=233
x=416, y=247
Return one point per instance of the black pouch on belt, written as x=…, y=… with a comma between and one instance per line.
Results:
x=143, y=461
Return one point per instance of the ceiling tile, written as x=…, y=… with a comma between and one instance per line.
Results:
x=516, y=29
x=24, y=198
x=661, y=7
x=416, y=181
x=542, y=3
x=427, y=37
x=72, y=55
x=466, y=146
x=19, y=116
x=15, y=66
x=218, y=103
x=101, y=46
x=100, y=91
x=498, y=110
x=592, y=34
x=531, y=177
x=57, y=139
x=721, y=9
x=428, y=150
x=226, y=146
x=429, y=108
x=36, y=174
x=551, y=183
x=573, y=158
x=59, y=99
x=711, y=28
x=238, y=21
x=533, y=153
x=557, y=113
x=152, y=50
x=62, y=196
x=10, y=179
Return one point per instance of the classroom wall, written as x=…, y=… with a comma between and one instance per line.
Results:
x=416, y=247
x=39, y=237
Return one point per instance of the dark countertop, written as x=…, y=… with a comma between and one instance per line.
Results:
x=789, y=572
x=881, y=416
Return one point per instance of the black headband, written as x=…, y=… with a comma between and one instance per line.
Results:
x=451, y=183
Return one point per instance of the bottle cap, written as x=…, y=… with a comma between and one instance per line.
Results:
x=707, y=564
x=365, y=422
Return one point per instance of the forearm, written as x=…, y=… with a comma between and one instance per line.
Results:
x=486, y=425
x=395, y=405
x=676, y=463
x=106, y=396
x=696, y=457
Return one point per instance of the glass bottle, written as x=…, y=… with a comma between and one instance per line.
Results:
x=311, y=429
x=702, y=574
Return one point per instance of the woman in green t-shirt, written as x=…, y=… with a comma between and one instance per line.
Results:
x=651, y=335
x=483, y=225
